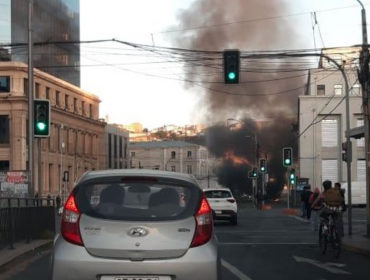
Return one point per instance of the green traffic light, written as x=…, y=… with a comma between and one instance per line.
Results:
x=41, y=126
x=292, y=182
x=262, y=169
x=232, y=76
x=287, y=161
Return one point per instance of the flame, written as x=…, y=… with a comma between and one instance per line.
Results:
x=229, y=155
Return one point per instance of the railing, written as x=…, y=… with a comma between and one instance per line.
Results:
x=24, y=219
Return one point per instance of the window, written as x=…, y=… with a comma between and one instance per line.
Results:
x=83, y=108
x=173, y=154
x=66, y=97
x=356, y=90
x=4, y=129
x=4, y=165
x=75, y=105
x=48, y=93
x=338, y=89
x=189, y=154
x=173, y=168
x=109, y=150
x=4, y=84
x=330, y=169
x=57, y=97
x=25, y=87
x=190, y=169
x=132, y=154
x=320, y=90
x=90, y=111
x=361, y=141
x=329, y=132
x=38, y=91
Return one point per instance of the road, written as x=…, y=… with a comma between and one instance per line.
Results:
x=264, y=245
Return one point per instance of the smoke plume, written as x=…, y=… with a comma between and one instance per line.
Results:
x=264, y=101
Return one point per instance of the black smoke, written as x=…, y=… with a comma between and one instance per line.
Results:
x=265, y=93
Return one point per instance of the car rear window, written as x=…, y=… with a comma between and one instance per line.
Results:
x=137, y=200
x=217, y=194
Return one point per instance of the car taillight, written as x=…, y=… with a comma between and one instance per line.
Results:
x=70, y=222
x=204, y=224
x=231, y=200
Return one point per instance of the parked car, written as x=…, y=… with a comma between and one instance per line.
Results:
x=223, y=204
x=148, y=224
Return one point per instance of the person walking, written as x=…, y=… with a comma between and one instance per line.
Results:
x=316, y=206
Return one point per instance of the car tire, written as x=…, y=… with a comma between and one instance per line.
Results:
x=234, y=220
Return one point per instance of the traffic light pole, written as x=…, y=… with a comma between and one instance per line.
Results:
x=39, y=168
x=31, y=188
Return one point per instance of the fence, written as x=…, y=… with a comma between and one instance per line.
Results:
x=24, y=219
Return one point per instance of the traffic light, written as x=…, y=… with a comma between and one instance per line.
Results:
x=347, y=155
x=292, y=176
x=231, y=60
x=262, y=165
x=41, y=119
x=287, y=157
x=253, y=173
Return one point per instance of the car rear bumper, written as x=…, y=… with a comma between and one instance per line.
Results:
x=224, y=214
x=70, y=262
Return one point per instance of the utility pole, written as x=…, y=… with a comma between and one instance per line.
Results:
x=363, y=76
x=30, y=101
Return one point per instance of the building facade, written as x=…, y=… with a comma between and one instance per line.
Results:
x=116, y=143
x=322, y=122
x=55, y=21
x=76, y=142
x=175, y=156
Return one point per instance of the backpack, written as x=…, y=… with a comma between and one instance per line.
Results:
x=333, y=198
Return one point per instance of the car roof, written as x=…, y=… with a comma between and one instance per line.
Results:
x=137, y=172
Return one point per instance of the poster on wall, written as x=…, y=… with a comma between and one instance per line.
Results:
x=14, y=183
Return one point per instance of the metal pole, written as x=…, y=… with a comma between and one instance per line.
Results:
x=364, y=79
x=39, y=180
x=348, y=138
x=30, y=101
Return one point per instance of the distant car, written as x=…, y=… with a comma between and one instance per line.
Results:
x=223, y=204
x=148, y=224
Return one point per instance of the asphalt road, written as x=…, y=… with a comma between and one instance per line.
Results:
x=264, y=245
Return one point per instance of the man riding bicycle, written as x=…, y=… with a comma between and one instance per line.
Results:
x=332, y=203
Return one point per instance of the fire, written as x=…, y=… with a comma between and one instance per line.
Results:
x=229, y=155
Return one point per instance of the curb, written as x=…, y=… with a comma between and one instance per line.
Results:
x=25, y=254
x=355, y=249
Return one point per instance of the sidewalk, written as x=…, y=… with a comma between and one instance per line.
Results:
x=22, y=250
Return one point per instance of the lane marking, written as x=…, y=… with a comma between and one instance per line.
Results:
x=327, y=266
x=235, y=271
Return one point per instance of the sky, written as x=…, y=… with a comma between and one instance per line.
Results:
x=137, y=86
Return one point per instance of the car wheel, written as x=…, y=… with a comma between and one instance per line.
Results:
x=234, y=220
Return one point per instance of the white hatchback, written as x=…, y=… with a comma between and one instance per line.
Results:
x=223, y=204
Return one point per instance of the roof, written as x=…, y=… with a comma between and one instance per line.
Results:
x=136, y=172
x=162, y=144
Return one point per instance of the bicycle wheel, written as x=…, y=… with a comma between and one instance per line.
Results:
x=323, y=239
x=336, y=242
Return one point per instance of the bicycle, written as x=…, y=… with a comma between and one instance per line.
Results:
x=328, y=233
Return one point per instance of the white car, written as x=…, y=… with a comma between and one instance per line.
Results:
x=223, y=204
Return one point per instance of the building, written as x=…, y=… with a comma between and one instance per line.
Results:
x=116, y=142
x=52, y=21
x=76, y=142
x=134, y=127
x=322, y=121
x=176, y=156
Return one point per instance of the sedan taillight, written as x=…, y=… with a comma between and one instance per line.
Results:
x=231, y=200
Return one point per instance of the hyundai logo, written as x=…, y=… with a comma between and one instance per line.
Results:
x=138, y=232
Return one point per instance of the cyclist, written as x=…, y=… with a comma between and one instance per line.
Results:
x=332, y=203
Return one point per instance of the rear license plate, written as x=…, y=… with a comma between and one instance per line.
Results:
x=135, y=278
x=218, y=212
